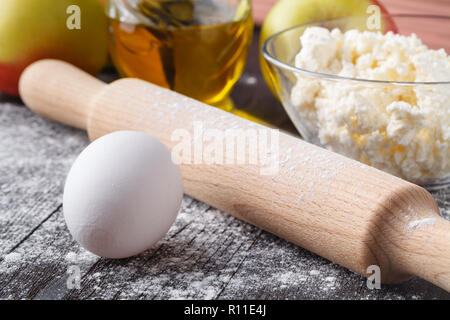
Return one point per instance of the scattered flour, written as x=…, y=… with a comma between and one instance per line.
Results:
x=13, y=257
x=97, y=275
x=421, y=223
x=83, y=257
x=71, y=257
x=218, y=255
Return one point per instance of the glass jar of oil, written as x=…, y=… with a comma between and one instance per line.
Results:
x=195, y=47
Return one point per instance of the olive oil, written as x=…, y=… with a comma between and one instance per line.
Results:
x=195, y=47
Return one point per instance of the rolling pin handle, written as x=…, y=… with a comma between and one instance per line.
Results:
x=59, y=91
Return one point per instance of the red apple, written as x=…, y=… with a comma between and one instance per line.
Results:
x=35, y=29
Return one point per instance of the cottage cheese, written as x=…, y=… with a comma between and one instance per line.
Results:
x=404, y=130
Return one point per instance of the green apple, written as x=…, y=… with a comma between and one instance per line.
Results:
x=288, y=13
x=35, y=29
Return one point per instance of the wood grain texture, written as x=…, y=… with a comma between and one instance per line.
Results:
x=35, y=156
x=440, y=7
x=206, y=254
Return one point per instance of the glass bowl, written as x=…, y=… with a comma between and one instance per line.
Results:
x=362, y=119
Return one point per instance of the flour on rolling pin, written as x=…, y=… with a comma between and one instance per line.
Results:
x=421, y=223
x=321, y=164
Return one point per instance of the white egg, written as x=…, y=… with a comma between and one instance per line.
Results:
x=122, y=194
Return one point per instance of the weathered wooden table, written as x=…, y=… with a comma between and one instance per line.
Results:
x=207, y=254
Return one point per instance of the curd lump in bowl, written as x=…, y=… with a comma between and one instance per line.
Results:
x=403, y=129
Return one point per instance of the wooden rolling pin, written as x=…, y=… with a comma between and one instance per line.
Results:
x=349, y=213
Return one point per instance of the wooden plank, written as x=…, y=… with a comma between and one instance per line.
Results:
x=207, y=254
x=32, y=175
x=440, y=7
x=260, y=9
x=302, y=275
